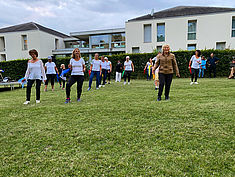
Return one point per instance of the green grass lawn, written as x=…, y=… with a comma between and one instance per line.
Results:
x=121, y=131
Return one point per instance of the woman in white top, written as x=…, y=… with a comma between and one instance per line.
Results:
x=148, y=68
x=35, y=72
x=128, y=68
x=95, y=70
x=108, y=68
x=195, y=65
x=51, y=71
x=77, y=66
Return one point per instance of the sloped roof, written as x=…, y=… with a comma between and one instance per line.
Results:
x=32, y=26
x=184, y=11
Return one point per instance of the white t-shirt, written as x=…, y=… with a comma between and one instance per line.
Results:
x=108, y=65
x=96, y=65
x=104, y=65
x=35, y=71
x=50, y=67
x=128, y=65
x=195, y=62
x=148, y=64
x=77, y=66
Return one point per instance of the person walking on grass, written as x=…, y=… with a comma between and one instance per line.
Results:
x=195, y=63
x=51, y=71
x=202, y=67
x=212, y=62
x=118, y=71
x=148, y=68
x=95, y=70
x=108, y=68
x=104, y=72
x=128, y=68
x=166, y=62
x=35, y=72
x=77, y=66
x=156, y=76
x=62, y=79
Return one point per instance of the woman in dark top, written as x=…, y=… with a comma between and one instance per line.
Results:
x=118, y=71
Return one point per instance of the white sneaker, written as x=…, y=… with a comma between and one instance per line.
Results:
x=129, y=83
x=195, y=82
x=27, y=102
x=37, y=101
x=103, y=85
x=124, y=83
x=100, y=86
x=191, y=83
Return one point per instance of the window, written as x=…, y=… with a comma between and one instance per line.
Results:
x=161, y=32
x=192, y=46
x=159, y=48
x=233, y=27
x=135, y=50
x=3, y=57
x=220, y=45
x=118, y=40
x=24, y=42
x=2, y=44
x=192, y=26
x=100, y=41
x=148, y=33
x=56, y=44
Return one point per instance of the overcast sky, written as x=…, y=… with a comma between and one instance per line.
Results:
x=78, y=15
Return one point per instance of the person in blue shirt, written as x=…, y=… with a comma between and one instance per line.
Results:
x=212, y=62
x=202, y=67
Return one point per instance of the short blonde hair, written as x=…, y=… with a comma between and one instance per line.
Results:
x=73, y=55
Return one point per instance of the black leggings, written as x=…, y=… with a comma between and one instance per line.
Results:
x=194, y=73
x=29, y=86
x=50, y=77
x=60, y=81
x=165, y=79
x=127, y=74
x=108, y=74
x=75, y=78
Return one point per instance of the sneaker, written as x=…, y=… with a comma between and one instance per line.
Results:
x=52, y=90
x=100, y=86
x=129, y=83
x=159, y=99
x=196, y=83
x=27, y=102
x=109, y=82
x=103, y=85
x=79, y=99
x=97, y=88
x=124, y=83
x=167, y=98
x=89, y=88
x=191, y=83
x=156, y=88
x=67, y=101
x=45, y=90
x=37, y=101
x=62, y=88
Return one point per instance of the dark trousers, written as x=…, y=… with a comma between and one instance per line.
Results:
x=127, y=74
x=108, y=74
x=149, y=77
x=104, y=74
x=29, y=86
x=50, y=77
x=194, y=74
x=72, y=80
x=60, y=81
x=212, y=68
x=164, y=79
x=93, y=73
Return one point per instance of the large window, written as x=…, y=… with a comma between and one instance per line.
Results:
x=24, y=42
x=191, y=46
x=192, y=28
x=100, y=41
x=161, y=32
x=233, y=27
x=147, y=33
x=118, y=40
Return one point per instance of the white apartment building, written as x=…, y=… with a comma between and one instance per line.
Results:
x=183, y=28
x=16, y=41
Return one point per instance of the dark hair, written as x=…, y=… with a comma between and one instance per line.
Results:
x=33, y=51
x=199, y=52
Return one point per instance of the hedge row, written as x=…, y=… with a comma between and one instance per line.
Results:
x=15, y=69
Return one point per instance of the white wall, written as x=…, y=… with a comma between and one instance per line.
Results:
x=210, y=29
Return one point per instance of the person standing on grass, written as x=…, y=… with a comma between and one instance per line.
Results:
x=77, y=66
x=51, y=71
x=118, y=71
x=104, y=72
x=195, y=63
x=95, y=70
x=232, y=69
x=62, y=79
x=212, y=62
x=202, y=67
x=148, y=68
x=156, y=76
x=166, y=62
x=108, y=69
x=35, y=72
x=128, y=68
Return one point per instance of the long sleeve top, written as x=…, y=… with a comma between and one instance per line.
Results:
x=35, y=71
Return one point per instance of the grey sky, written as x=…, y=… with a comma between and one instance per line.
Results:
x=78, y=15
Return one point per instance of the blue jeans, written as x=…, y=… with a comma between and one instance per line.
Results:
x=149, y=77
x=104, y=73
x=97, y=73
x=201, y=71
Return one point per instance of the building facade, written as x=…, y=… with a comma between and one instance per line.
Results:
x=183, y=28
x=16, y=41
